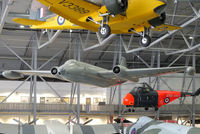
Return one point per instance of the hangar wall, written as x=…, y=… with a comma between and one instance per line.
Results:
x=94, y=94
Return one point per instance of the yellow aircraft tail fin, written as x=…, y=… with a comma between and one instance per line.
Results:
x=166, y=27
x=24, y=21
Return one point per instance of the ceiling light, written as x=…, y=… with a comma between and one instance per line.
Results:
x=191, y=37
x=21, y=26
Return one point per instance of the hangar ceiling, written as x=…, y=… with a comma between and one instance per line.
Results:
x=21, y=40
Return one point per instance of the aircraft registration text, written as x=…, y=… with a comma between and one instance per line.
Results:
x=73, y=7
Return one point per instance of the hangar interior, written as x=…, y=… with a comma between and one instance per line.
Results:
x=37, y=99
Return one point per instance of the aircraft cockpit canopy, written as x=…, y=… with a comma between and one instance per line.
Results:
x=71, y=62
x=142, y=89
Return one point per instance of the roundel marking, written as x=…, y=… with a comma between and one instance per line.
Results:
x=166, y=100
x=133, y=131
x=60, y=20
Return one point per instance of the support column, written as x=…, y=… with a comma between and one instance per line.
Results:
x=119, y=87
x=30, y=96
x=158, y=82
x=158, y=66
x=78, y=103
x=34, y=54
x=193, y=90
x=76, y=86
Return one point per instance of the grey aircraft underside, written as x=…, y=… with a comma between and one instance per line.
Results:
x=144, y=125
x=81, y=72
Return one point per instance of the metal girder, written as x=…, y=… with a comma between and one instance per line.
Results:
x=44, y=64
x=52, y=37
x=101, y=42
x=5, y=9
x=191, y=47
x=185, y=50
x=176, y=60
x=12, y=51
x=14, y=90
x=196, y=17
x=26, y=50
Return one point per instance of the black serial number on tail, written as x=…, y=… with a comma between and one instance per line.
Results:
x=74, y=7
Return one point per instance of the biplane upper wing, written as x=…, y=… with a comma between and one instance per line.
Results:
x=166, y=27
x=76, y=11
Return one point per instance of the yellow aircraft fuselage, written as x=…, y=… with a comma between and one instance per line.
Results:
x=136, y=16
x=117, y=17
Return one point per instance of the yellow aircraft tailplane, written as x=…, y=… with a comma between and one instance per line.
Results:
x=24, y=21
x=166, y=27
x=57, y=23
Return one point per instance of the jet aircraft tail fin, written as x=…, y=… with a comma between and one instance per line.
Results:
x=123, y=62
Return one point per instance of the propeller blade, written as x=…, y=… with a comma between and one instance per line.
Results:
x=87, y=122
x=33, y=121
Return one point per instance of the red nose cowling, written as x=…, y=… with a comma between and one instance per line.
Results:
x=128, y=100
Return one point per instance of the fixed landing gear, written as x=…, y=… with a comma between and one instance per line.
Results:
x=104, y=31
x=156, y=108
x=145, y=41
x=131, y=110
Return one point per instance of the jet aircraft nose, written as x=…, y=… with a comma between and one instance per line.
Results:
x=128, y=100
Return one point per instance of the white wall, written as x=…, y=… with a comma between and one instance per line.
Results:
x=87, y=91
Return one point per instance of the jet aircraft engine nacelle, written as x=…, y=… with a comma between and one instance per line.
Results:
x=158, y=20
x=116, y=6
x=12, y=75
x=55, y=71
x=190, y=70
x=120, y=71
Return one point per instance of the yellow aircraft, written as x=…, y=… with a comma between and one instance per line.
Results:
x=114, y=17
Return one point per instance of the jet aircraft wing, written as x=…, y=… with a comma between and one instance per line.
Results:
x=147, y=72
x=135, y=74
x=16, y=74
x=77, y=11
x=123, y=74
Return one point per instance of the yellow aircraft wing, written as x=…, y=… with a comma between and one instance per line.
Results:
x=166, y=27
x=76, y=11
x=57, y=23
x=24, y=21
